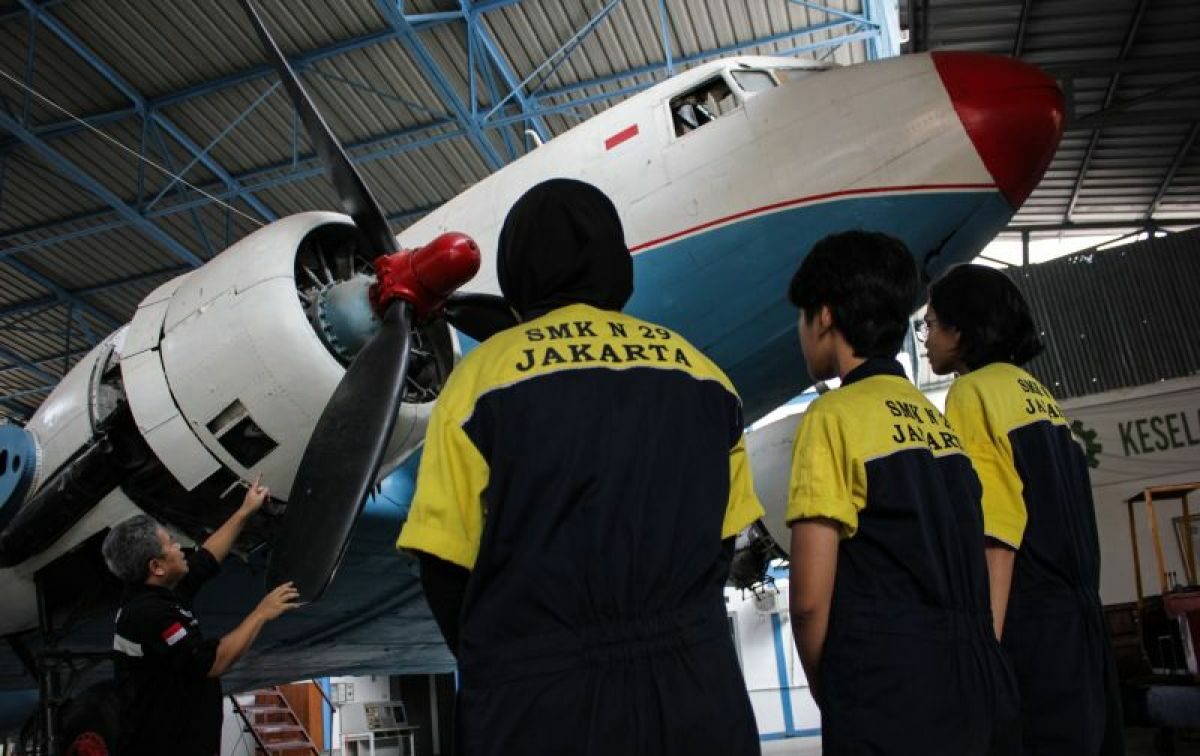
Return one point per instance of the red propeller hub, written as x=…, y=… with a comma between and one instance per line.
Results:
x=425, y=277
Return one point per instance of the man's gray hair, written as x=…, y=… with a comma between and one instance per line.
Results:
x=129, y=547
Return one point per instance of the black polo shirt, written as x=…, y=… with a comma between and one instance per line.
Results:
x=169, y=704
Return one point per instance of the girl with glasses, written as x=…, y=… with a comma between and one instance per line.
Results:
x=1042, y=551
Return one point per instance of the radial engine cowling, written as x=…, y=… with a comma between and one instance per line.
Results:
x=230, y=365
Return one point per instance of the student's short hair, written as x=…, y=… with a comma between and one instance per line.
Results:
x=129, y=547
x=991, y=315
x=869, y=282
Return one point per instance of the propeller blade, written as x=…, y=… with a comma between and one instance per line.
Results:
x=339, y=466
x=357, y=200
x=479, y=315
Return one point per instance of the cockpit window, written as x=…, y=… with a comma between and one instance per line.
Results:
x=702, y=105
x=753, y=82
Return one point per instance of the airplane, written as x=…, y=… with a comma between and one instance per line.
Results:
x=271, y=360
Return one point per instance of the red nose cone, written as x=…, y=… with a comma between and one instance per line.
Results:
x=1012, y=112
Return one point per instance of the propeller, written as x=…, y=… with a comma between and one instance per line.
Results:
x=356, y=199
x=339, y=466
x=479, y=315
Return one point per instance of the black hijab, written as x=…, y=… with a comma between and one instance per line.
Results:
x=562, y=243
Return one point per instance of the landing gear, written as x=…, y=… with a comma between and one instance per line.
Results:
x=85, y=725
x=89, y=722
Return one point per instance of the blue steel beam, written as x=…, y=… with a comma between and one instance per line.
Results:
x=65, y=128
x=1131, y=31
x=30, y=309
x=73, y=318
x=29, y=392
x=364, y=87
x=571, y=105
x=14, y=411
x=475, y=26
x=664, y=29
x=1181, y=154
x=486, y=6
x=568, y=49
x=110, y=74
x=76, y=296
x=72, y=172
x=885, y=16
x=859, y=36
x=197, y=226
x=59, y=293
x=860, y=18
x=489, y=78
x=35, y=330
x=635, y=88
x=714, y=53
x=257, y=180
x=419, y=22
x=53, y=360
x=466, y=121
x=30, y=57
x=542, y=108
x=18, y=361
x=177, y=178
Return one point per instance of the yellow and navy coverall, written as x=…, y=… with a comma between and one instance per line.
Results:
x=1037, y=499
x=911, y=664
x=587, y=467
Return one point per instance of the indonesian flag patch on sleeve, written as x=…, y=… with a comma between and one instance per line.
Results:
x=174, y=634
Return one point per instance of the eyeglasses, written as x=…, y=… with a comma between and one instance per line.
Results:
x=921, y=328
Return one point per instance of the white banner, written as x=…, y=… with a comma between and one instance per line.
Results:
x=1145, y=433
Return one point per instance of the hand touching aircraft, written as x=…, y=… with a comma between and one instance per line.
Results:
x=312, y=351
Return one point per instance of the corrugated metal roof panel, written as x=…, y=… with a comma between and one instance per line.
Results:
x=35, y=193
x=163, y=50
x=1117, y=318
x=100, y=259
x=163, y=47
x=58, y=74
x=16, y=287
x=1152, y=104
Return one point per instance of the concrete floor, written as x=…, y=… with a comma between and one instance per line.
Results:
x=1139, y=742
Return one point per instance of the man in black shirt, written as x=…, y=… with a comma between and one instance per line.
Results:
x=167, y=672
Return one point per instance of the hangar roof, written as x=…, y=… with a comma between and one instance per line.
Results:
x=1130, y=70
x=92, y=93
x=418, y=90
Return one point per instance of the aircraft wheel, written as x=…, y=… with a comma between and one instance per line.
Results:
x=88, y=744
x=89, y=722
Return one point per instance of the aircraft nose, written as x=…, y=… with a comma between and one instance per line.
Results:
x=1012, y=112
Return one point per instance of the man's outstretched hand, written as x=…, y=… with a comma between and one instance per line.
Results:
x=256, y=494
x=278, y=601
